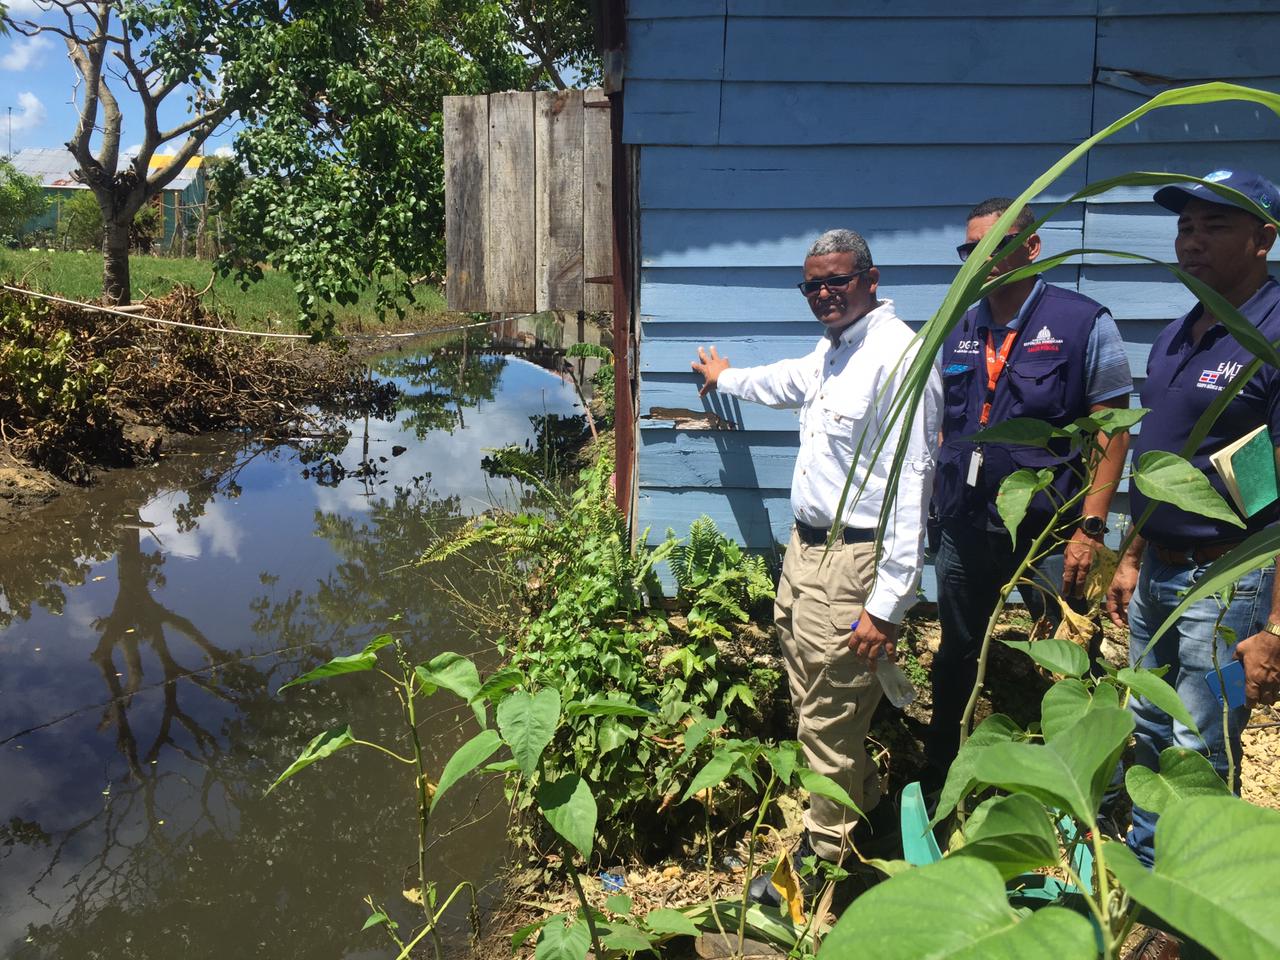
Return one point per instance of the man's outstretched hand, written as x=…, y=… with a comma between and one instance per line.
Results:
x=710, y=367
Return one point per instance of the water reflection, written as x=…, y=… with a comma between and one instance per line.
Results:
x=144, y=628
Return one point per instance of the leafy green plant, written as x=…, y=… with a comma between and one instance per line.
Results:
x=21, y=199
x=718, y=581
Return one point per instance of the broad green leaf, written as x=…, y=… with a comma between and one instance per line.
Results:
x=821, y=785
x=604, y=708
x=528, y=723
x=1057, y=656
x=1015, y=495
x=1021, y=431
x=1257, y=551
x=1215, y=875
x=618, y=903
x=1012, y=833
x=454, y=673
x=784, y=758
x=761, y=923
x=1183, y=773
x=377, y=918
x=1169, y=478
x=624, y=937
x=668, y=921
x=498, y=684
x=324, y=745
x=712, y=774
x=955, y=909
x=612, y=734
x=352, y=663
x=1064, y=703
x=570, y=808
x=1150, y=687
x=698, y=731
x=996, y=728
x=465, y=759
x=1071, y=771
x=1112, y=420
x=560, y=942
x=525, y=932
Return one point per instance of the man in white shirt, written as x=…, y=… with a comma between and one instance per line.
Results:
x=844, y=389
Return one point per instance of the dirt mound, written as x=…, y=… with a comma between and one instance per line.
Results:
x=81, y=389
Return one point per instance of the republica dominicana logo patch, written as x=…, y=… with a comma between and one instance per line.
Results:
x=1044, y=341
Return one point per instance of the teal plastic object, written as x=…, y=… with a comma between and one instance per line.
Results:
x=918, y=844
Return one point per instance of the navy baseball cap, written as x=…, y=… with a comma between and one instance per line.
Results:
x=1253, y=185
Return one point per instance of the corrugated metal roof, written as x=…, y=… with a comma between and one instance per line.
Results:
x=52, y=166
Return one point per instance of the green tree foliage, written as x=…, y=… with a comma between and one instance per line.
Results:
x=340, y=180
x=20, y=199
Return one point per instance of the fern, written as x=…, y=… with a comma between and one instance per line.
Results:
x=592, y=350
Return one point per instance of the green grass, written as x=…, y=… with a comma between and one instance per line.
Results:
x=269, y=304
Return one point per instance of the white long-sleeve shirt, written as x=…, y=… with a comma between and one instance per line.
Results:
x=844, y=390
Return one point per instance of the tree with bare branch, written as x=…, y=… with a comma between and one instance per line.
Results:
x=153, y=52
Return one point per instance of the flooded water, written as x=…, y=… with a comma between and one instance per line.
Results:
x=145, y=626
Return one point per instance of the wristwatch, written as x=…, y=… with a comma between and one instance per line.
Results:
x=1094, y=526
x=1272, y=628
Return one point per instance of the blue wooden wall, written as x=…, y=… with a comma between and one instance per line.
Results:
x=761, y=123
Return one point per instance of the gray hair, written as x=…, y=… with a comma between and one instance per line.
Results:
x=843, y=241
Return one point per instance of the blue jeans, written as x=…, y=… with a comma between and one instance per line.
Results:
x=1187, y=649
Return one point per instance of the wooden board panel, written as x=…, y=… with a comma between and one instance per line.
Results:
x=1035, y=50
x=915, y=236
x=1216, y=124
x=912, y=8
x=655, y=9
x=760, y=178
x=510, y=272
x=466, y=166
x=691, y=48
x=1191, y=47
x=735, y=295
x=661, y=394
x=675, y=458
x=754, y=518
x=597, y=201
x=801, y=114
x=672, y=112
x=558, y=185
x=1151, y=8
x=1110, y=160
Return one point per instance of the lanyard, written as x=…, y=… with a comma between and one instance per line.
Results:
x=995, y=367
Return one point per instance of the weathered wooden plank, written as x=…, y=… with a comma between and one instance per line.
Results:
x=915, y=236
x=757, y=519
x=677, y=458
x=466, y=189
x=1151, y=8
x=1142, y=228
x=691, y=48
x=1035, y=50
x=1214, y=124
x=1110, y=160
x=1191, y=47
x=911, y=8
x=668, y=400
x=1137, y=293
x=511, y=267
x=801, y=114
x=672, y=112
x=759, y=178
x=558, y=184
x=597, y=200
x=673, y=9
x=732, y=294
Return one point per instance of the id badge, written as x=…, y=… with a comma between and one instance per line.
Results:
x=975, y=465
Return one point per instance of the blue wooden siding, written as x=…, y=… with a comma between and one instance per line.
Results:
x=759, y=124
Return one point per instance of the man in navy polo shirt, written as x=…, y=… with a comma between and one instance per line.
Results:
x=1192, y=360
x=1028, y=349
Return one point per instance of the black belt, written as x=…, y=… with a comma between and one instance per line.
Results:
x=1192, y=556
x=812, y=536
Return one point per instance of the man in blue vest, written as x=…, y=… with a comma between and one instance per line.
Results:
x=1192, y=360
x=1027, y=349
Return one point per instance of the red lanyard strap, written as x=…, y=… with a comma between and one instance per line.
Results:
x=995, y=367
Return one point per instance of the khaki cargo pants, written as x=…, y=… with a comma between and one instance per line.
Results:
x=834, y=693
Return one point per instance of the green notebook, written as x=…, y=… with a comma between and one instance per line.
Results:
x=1248, y=467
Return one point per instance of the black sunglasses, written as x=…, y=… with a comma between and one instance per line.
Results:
x=965, y=250
x=838, y=282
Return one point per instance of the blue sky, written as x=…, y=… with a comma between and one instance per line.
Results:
x=36, y=84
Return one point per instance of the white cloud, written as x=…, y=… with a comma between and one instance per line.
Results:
x=26, y=8
x=30, y=113
x=224, y=152
x=133, y=150
x=25, y=53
